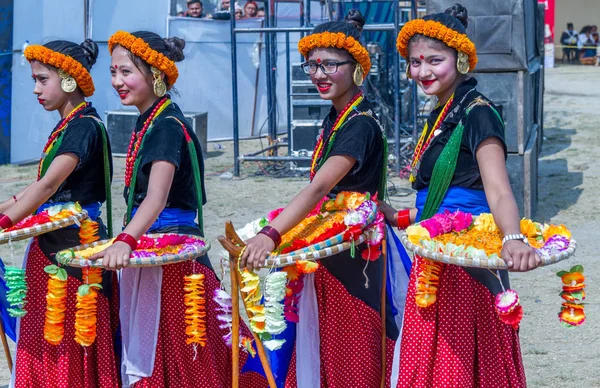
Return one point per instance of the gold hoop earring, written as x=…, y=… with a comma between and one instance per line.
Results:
x=408, y=76
x=67, y=82
x=462, y=63
x=158, y=84
x=358, y=75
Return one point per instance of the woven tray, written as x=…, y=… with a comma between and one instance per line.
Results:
x=32, y=231
x=69, y=256
x=314, y=252
x=495, y=263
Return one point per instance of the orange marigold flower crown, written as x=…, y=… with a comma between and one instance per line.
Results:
x=336, y=40
x=436, y=30
x=140, y=48
x=63, y=62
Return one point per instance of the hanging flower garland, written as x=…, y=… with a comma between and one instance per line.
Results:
x=56, y=304
x=17, y=291
x=87, y=306
x=88, y=231
x=224, y=313
x=252, y=300
x=572, y=312
x=195, y=312
x=275, y=285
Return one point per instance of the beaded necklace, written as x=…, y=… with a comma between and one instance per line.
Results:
x=421, y=148
x=59, y=131
x=339, y=121
x=134, y=145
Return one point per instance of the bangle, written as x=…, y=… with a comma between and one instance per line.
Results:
x=5, y=221
x=403, y=219
x=127, y=239
x=15, y=198
x=271, y=233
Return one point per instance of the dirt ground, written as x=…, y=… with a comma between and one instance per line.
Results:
x=569, y=180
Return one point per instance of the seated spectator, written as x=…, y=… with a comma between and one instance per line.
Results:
x=239, y=13
x=250, y=9
x=569, y=38
x=195, y=9
x=587, y=55
x=225, y=5
x=260, y=13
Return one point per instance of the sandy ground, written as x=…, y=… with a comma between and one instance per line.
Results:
x=569, y=180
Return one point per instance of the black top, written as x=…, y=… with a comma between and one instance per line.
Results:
x=360, y=138
x=166, y=141
x=83, y=137
x=480, y=124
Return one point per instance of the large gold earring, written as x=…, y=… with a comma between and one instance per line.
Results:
x=462, y=63
x=408, y=76
x=160, y=88
x=358, y=75
x=67, y=82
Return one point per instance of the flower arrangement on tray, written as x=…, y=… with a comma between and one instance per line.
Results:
x=459, y=234
x=349, y=218
x=50, y=214
x=148, y=246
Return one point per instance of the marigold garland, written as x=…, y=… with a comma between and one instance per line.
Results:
x=428, y=280
x=436, y=30
x=140, y=48
x=195, y=312
x=56, y=304
x=572, y=313
x=336, y=40
x=60, y=61
x=88, y=231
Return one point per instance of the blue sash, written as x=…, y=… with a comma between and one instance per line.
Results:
x=172, y=217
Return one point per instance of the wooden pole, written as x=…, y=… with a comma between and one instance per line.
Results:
x=6, y=348
x=235, y=325
x=383, y=315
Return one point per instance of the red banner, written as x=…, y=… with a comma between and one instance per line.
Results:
x=549, y=19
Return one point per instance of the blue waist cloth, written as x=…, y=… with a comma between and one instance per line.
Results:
x=171, y=217
x=457, y=198
x=92, y=209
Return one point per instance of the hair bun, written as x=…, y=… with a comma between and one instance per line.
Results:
x=90, y=50
x=175, y=46
x=356, y=18
x=460, y=13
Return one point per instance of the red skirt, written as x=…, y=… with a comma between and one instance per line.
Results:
x=176, y=364
x=350, y=334
x=459, y=340
x=40, y=364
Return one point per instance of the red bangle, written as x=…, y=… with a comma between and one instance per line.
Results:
x=403, y=219
x=127, y=239
x=271, y=233
x=5, y=221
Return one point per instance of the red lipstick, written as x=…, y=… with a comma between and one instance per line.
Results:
x=428, y=82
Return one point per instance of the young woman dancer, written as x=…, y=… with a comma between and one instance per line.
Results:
x=350, y=156
x=75, y=167
x=454, y=337
x=164, y=191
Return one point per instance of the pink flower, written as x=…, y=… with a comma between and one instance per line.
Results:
x=272, y=215
x=445, y=221
x=461, y=220
x=145, y=243
x=433, y=227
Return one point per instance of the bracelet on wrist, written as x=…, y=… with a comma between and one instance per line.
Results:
x=403, y=219
x=127, y=239
x=271, y=233
x=5, y=221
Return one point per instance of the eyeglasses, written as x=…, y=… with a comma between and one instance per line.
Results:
x=327, y=67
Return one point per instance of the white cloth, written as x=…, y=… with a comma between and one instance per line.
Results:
x=308, y=342
x=140, y=291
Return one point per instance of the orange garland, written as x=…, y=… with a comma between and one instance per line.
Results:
x=87, y=306
x=336, y=40
x=195, y=312
x=428, y=280
x=88, y=232
x=56, y=305
x=140, y=48
x=436, y=30
x=60, y=61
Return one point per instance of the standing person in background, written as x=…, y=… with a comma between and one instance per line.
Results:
x=250, y=9
x=76, y=166
x=195, y=9
x=452, y=334
x=164, y=192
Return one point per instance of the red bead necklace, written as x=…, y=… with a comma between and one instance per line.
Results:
x=134, y=145
x=320, y=146
x=61, y=127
